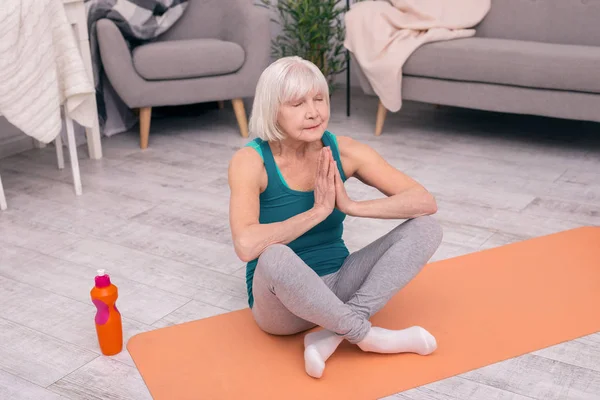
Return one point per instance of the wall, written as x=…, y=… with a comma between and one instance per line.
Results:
x=12, y=140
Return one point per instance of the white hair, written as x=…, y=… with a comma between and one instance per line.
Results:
x=286, y=79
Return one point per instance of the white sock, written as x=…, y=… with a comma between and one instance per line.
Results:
x=410, y=340
x=318, y=347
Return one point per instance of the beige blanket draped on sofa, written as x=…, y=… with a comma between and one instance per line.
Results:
x=382, y=35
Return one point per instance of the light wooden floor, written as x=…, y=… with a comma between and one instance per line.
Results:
x=157, y=221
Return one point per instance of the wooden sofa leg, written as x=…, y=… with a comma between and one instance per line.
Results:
x=221, y=104
x=145, y=117
x=240, y=115
x=381, y=112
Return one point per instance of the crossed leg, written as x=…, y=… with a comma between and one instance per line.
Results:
x=290, y=297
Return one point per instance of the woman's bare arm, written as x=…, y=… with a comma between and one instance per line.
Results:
x=405, y=197
x=250, y=237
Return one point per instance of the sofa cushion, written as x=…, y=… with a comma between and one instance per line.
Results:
x=195, y=58
x=509, y=62
x=550, y=21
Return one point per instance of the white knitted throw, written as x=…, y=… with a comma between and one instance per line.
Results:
x=41, y=69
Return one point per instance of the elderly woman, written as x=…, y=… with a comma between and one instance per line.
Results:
x=287, y=208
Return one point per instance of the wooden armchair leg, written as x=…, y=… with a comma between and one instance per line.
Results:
x=240, y=115
x=221, y=104
x=145, y=117
x=381, y=112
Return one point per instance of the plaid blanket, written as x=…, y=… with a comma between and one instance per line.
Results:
x=138, y=21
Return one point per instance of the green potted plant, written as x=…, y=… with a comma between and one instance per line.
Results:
x=313, y=30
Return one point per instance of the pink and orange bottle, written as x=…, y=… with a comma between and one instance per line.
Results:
x=108, y=318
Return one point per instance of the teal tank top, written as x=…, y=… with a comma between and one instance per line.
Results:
x=322, y=247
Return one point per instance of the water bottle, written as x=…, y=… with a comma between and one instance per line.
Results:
x=108, y=318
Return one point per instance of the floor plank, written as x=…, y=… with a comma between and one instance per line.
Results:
x=60, y=317
x=15, y=255
x=14, y=388
x=475, y=181
x=96, y=201
x=141, y=302
x=176, y=246
x=201, y=222
x=24, y=233
x=62, y=217
x=103, y=378
x=140, y=266
x=583, y=352
x=192, y=311
x=510, y=222
x=500, y=239
x=223, y=300
x=457, y=388
x=577, y=211
x=540, y=378
x=575, y=175
x=37, y=357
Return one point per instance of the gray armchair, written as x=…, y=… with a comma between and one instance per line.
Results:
x=216, y=51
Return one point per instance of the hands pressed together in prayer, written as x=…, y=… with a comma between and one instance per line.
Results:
x=329, y=189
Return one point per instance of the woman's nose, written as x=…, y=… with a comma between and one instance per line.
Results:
x=311, y=110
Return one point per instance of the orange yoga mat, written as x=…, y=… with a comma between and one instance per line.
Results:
x=482, y=308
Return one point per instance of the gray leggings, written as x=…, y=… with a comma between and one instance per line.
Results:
x=289, y=297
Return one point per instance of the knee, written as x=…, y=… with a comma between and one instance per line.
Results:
x=425, y=231
x=427, y=225
x=274, y=253
x=428, y=230
x=273, y=259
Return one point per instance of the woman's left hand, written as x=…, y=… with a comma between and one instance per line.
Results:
x=342, y=201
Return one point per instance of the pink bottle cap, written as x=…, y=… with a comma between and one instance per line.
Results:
x=102, y=280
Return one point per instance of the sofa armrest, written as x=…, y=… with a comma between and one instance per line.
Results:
x=249, y=26
x=118, y=63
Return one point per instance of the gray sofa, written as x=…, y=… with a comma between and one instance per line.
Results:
x=536, y=57
x=216, y=51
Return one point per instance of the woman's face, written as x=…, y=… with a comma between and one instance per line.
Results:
x=305, y=118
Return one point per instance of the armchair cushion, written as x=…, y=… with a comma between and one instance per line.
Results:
x=191, y=58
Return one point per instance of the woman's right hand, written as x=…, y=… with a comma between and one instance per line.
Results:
x=325, y=183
